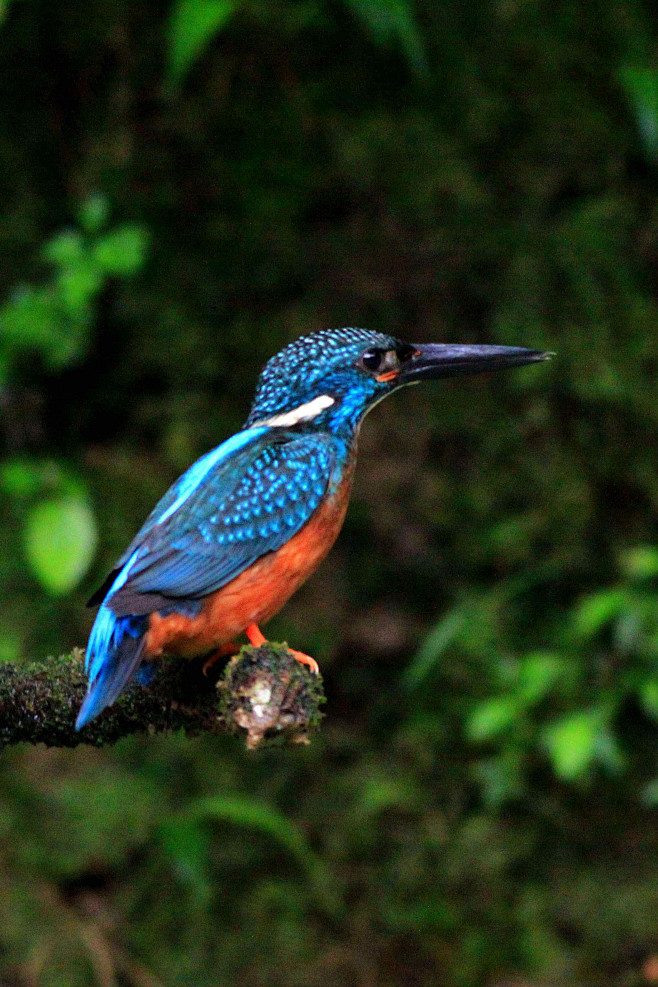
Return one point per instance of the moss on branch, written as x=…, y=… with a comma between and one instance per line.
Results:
x=263, y=693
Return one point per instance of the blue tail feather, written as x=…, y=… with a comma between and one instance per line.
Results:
x=114, y=653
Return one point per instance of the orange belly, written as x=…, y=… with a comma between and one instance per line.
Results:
x=257, y=593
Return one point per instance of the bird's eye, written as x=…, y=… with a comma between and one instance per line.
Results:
x=372, y=359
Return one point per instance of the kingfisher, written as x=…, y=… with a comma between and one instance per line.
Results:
x=247, y=524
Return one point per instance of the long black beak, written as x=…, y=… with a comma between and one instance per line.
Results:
x=433, y=360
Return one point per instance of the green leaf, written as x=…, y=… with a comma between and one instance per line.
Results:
x=640, y=83
x=122, y=252
x=192, y=26
x=640, y=562
x=538, y=674
x=60, y=539
x=435, y=646
x=571, y=743
x=491, y=718
x=78, y=285
x=64, y=249
x=94, y=213
x=595, y=611
x=649, y=794
x=393, y=21
x=648, y=695
x=30, y=320
x=35, y=319
x=21, y=478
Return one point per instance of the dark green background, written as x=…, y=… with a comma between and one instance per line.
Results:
x=480, y=807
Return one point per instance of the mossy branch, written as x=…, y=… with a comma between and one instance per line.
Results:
x=263, y=693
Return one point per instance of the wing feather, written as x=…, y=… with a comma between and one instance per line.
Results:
x=240, y=509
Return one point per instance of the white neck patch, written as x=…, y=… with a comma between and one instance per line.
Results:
x=304, y=413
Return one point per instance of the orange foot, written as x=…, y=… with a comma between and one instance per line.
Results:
x=223, y=651
x=256, y=638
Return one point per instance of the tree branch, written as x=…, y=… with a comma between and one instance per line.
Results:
x=263, y=693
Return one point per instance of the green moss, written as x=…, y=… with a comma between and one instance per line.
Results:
x=271, y=696
x=39, y=702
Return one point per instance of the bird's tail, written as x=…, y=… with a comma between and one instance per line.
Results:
x=114, y=652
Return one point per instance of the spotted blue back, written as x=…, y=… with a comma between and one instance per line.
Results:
x=218, y=533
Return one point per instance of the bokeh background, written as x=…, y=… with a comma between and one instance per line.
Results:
x=186, y=186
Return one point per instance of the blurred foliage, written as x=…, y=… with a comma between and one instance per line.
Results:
x=566, y=705
x=481, y=805
x=391, y=22
x=60, y=538
x=641, y=86
x=193, y=25
x=52, y=323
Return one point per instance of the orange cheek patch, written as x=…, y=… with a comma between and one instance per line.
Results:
x=389, y=375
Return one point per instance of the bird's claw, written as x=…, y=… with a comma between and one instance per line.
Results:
x=306, y=660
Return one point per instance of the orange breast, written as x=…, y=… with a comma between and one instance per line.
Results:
x=257, y=593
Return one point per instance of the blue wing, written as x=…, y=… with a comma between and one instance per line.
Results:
x=233, y=456
x=243, y=499
x=222, y=515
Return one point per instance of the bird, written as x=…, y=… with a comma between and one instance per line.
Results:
x=237, y=534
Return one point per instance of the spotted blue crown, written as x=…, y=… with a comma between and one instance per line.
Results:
x=314, y=365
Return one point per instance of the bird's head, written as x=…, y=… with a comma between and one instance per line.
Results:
x=332, y=378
